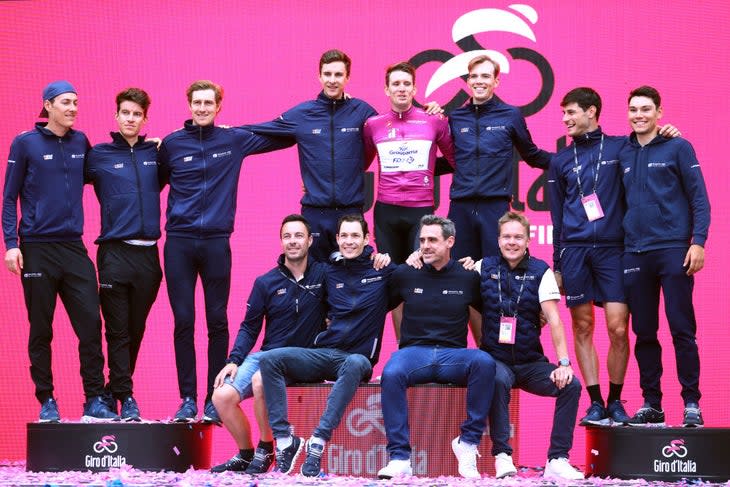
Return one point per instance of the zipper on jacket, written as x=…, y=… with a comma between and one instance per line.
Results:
x=205, y=181
x=133, y=158
x=476, y=143
x=66, y=170
x=332, y=151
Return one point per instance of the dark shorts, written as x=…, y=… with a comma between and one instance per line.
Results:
x=592, y=275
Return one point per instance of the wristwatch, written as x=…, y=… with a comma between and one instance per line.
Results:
x=564, y=362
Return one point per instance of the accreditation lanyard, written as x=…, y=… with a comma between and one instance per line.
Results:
x=595, y=170
x=591, y=203
x=508, y=324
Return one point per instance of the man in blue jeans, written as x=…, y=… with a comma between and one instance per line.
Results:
x=344, y=353
x=436, y=298
x=515, y=288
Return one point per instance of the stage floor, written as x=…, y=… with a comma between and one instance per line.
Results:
x=14, y=474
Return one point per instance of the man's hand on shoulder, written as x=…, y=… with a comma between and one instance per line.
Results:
x=669, y=131
x=380, y=261
x=433, y=108
x=414, y=260
x=468, y=263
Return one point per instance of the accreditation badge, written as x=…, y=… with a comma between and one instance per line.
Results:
x=592, y=207
x=507, y=328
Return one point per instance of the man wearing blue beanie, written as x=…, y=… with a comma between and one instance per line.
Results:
x=46, y=172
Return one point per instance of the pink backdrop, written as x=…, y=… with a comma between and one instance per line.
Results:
x=266, y=58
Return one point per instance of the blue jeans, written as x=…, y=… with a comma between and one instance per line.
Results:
x=423, y=364
x=242, y=381
x=306, y=365
x=533, y=377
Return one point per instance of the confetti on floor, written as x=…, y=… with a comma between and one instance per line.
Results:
x=14, y=474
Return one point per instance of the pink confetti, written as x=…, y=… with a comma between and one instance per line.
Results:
x=177, y=452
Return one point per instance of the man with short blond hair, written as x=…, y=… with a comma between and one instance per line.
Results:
x=515, y=289
x=486, y=130
x=202, y=164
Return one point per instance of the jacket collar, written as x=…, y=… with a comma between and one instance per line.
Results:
x=486, y=106
x=449, y=265
x=337, y=258
x=197, y=130
x=322, y=98
x=119, y=140
x=589, y=138
x=522, y=265
x=41, y=127
x=659, y=139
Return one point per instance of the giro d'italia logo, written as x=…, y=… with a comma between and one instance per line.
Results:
x=515, y=20
x=105, y=454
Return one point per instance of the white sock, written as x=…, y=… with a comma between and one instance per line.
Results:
x=318, y=441
x=284, y=442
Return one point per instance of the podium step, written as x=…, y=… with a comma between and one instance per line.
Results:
x=669, y=454
x=54, y=447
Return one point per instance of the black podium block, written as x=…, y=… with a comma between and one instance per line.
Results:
x=101, y=446
x=667, y=454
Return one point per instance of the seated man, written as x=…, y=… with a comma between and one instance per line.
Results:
x=291, y=299
x=344, y=353
x=515, y=287
x=433, y=344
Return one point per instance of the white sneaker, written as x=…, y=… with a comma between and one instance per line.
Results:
x=396, y=468
x=560, y=468
x=504, y=466
x=467, y=456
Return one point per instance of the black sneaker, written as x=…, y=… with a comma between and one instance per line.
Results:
x=312, y=464
x=595, y=415
x=286, y=458
x=235, y=464
x=95, y=410
x=261, y=463
x=692, y=416
x=130, y=410
x=647, y=416
x=617, y=413
x=210, y=414
x=49, y=412
x=187, y=411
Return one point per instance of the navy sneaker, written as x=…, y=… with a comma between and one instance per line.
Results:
x=312, y=464
x=286, y=458
x=692, y=416
x=261, y=463
x=187, y=412
x=647, y=416
x=96, y=410
x=109, y=400
x=130, y=410
x=596, y=415
x=235, y=464
x=210, y=415
x=617, y=413
x=49, y=412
